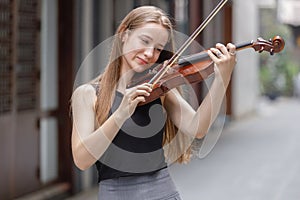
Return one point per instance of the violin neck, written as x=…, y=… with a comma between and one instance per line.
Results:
x=198, y=57
x=192, y=59
x=245, y=45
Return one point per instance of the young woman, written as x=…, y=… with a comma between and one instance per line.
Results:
x=130, y=144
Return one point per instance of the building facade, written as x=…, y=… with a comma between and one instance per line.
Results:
x=43, y=47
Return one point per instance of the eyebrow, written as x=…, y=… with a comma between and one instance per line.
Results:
x=150, y=38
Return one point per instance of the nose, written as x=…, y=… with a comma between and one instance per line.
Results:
x=149, y=52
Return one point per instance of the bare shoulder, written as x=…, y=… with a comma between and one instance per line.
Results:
x=85, y=89
x=85, y=93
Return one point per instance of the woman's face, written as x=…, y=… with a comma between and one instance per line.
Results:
x=142, y=46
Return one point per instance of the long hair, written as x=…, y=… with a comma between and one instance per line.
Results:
x=110, y=77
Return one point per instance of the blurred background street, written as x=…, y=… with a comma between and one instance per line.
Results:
x=255, y=158
x=49, y=47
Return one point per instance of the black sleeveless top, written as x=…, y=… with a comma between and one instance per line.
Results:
x=137, y=147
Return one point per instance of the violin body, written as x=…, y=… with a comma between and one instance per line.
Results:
x=180, y=75
x=195, y=68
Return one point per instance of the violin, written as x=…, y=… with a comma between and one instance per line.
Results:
x=195, y=68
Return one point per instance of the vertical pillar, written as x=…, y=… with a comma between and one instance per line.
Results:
x=65, y=84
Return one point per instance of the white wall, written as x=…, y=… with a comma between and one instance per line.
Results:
x=49, y=87
x=246, y=74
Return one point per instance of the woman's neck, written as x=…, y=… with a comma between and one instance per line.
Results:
x=125, y=78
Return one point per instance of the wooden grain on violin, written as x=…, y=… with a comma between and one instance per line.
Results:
x=197, y=67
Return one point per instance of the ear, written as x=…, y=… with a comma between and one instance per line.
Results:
x=124, y=36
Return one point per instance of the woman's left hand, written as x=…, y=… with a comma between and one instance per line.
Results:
x=224, y=59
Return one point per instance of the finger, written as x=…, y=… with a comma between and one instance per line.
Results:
x=166, y=63
x=138, y=100
x=218, y=54
x=145, y=86
x=212, y=56
x=138, y=93
x=222, y=48
x=231, y=49
x=141, y=93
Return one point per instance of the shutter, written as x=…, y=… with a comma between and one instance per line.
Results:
x=19, y=97
x=27, y=55
x=19, y=58
x=5, y=57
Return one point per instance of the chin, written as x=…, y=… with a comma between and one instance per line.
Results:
x=140, y=69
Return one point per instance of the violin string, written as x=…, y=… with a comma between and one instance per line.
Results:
x=178, y=53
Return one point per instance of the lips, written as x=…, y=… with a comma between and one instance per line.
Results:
x=142, y=61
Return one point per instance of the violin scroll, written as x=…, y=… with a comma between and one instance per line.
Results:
x=274, y=45
x=196, y=67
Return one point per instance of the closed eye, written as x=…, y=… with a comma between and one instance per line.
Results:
x=144, y=40
x=158, y=49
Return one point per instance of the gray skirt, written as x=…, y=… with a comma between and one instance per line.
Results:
x=157, y=186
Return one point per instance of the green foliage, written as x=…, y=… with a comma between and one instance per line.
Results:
x=277, y=75
x=277, y=72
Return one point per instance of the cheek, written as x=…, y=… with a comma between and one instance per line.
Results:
x=155, y=57
x=128, y=52
x=131, y=50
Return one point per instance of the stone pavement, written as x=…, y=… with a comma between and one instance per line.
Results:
x=256, y=158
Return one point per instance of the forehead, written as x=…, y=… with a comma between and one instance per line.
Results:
x=156, y=31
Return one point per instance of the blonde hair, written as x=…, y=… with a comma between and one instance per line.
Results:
x=110, y=77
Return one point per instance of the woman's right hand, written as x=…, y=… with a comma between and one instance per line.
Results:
x=133, y=96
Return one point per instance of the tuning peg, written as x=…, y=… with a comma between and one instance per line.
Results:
x=261, y=49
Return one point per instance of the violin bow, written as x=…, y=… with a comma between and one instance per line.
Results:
x=178, y=53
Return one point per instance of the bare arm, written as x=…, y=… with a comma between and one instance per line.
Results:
x=197, y=123
x=88, y=143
